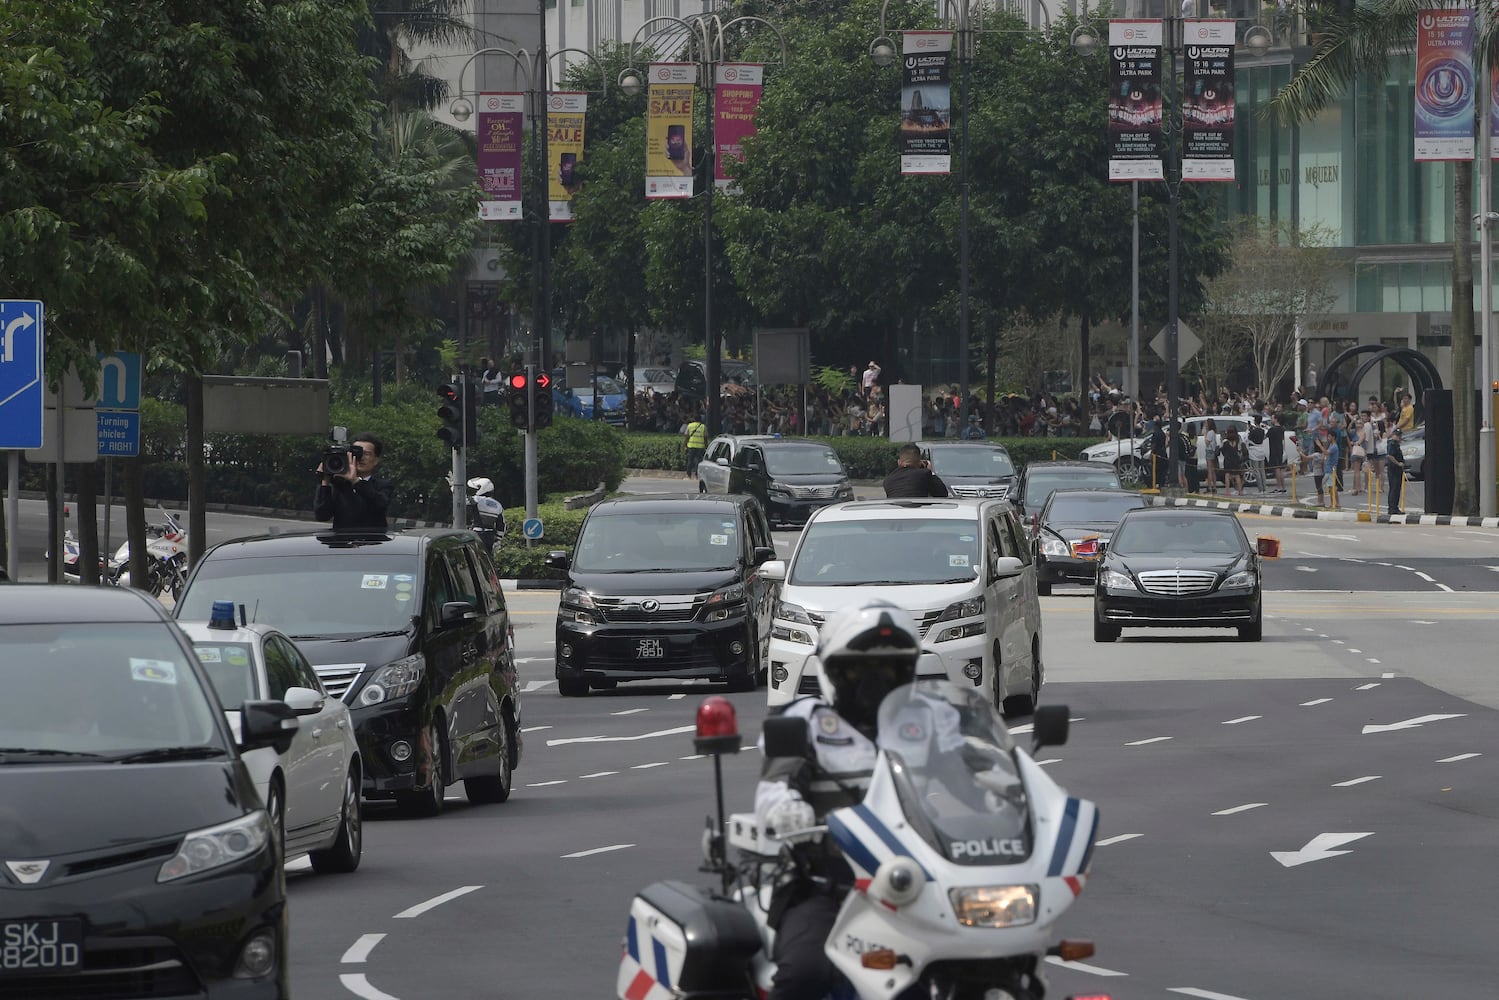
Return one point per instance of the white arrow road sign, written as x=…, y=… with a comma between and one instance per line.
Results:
x=1408, y=723
x=1318, y=848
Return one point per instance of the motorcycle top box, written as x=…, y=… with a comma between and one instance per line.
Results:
x=687, y=941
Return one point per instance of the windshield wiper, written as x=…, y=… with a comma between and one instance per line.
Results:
x=35, y=752
x=355, y=637
x=163, y=754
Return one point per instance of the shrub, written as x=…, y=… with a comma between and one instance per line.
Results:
x=515, y=560
x=645, y=450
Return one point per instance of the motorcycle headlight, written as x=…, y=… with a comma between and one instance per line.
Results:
x=1115, y=580
x=994, y=905
x=394, y=680
x=1242, y=580
x=720, y=601
x=971, y=608
x=792, y=613
x=216, y=846
x=1051, y=545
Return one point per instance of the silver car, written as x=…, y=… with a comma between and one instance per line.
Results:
x=713, y=470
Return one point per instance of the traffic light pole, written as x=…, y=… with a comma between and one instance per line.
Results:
x=531, y=441
x=460, y=464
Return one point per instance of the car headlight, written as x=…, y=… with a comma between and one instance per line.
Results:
x=994, y=905
x=780, y=491
x=394, y=680
x=1051, y=545
x=1115, y=580
x=792, y=613
x=1241, y=580
x=961, y=631
x=970, y=608
x=845, y=489
x=787, y=634
x=719, y=601
x=216, y=846
x=577, y=605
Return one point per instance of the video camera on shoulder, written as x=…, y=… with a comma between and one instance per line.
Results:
x=340, y=458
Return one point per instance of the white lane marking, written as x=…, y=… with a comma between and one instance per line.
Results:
x=1318, y=848
x=1339, y=642
x=1356, y=781
x=1444, y=587
x=1022, y=729
x=1092, y=970
x=693, y=756
x=1239, y=809
x=642, y=767
x=302, y=864
x=1192, y=991
x=1306, y=569
x=360, y=950
x=1341, y=538
x=530, y=686
x=1461, y=756
x=1050, y=760
x=1117, y=840
x=356, y=984
x=630, y=711
x=1321, y=635
x=675, y=697
x=531, y=659
x=1422, y=623
x=1242, y=718
x=1425, y=577
x=597, y=850
x=1153, y=739
x=534, y=729
x=1371, y=659
x=435, y=901
x=1352, y=650
x=543, y=784
x=1306, y=628
x=1366, y=687
x=1486, y=535
x=679, y=730
x=598, y=774
x=1389, y=674
x=1415, y=723
x=1408, y=569
x=1382, y=564
x=1315, y=701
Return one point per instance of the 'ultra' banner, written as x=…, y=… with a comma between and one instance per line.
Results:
x=500, y=156
x=565, y=111
x=1208, y=104
x=926, y=103
x=668, y=130
x=736, y=98
x=1444, y=84
x=1135, y=108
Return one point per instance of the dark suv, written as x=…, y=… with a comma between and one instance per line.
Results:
x=791, y=479
x=666, y=586
x=410, y=629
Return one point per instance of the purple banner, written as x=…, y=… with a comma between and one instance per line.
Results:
x=500, y=156
x=1444, y=84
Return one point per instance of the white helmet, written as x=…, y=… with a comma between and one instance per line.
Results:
x=865, y=653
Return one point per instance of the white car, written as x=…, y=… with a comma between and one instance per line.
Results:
x=658, y=380
x=961, y=567
x=312, y=792
x=713, y=470
x=1131, y=456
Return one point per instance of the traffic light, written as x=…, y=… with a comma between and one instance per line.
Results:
x=451, y=414
x=471, y=413
x=543, y=400
x=520, y=413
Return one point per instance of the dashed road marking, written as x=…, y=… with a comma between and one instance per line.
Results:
x=1315, y=701
x=1238, y=809
x=1356, y=781
x=598, y=850
x=1121, y=838
x=543, y=784
x=675, y=697
x=534, y=729
x=598, y=774
x=1371, y=660
x=1153, y=739
x=1092, y=970
x=436, y=901
x=1461, y=756
x=1050, y=760
x=1242, y=718
x=1192, y=991
x=1367, y=687
x=642, y=767
x=679, y=730
x=530, y=686
x=630, y=711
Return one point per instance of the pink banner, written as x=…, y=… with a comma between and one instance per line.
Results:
x=736, y=98
x=500, y=156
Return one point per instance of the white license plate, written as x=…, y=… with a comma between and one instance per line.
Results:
x=29, y=946
x=650, y=649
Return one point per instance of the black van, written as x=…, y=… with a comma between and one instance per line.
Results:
x=410, y=629
x=135, y=847
x=790, y=478
x=666, y=586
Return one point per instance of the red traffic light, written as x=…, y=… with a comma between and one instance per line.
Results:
x=517, y=380
x=717, y=726
x=543, y=380
x=449, y=391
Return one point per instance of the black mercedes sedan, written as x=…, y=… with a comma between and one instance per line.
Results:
x=1177, y=567
x=1072, y=530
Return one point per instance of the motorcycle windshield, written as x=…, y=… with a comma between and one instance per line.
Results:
x=954, y=767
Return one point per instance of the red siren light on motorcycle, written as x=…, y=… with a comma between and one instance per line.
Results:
x=717, y=726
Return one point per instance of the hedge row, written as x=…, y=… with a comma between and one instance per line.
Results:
x=513, y=559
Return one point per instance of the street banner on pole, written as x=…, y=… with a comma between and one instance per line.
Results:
x=565, y=112
x=736, y=99
x=668, y=130
x=1494, y=111
x=1135, y=106
x=500, y=156
x=1444, y=84
x=1208, y=104
x=926, y=103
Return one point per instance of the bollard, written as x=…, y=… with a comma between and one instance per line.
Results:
x=1332, y=490
x=1403, y=480
x=1295, y=469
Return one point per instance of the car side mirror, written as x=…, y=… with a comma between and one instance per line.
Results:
x=1049, y=726
x=785, y=736
x=303, y=701
x=774, y=569
x=762, y=555
x=720, y=460
x=456, y=613
x=557, y=559
x=1006, y=567
x=267, y=724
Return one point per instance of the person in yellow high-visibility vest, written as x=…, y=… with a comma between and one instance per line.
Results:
x=695, y=439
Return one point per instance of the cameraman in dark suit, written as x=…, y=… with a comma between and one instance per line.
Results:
x=352, y=499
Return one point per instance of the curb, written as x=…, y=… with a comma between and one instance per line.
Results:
x=1313, y=514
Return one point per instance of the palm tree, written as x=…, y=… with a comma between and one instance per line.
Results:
x=396, y=26
x=1358, y=41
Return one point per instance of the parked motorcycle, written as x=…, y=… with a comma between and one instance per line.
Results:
x=486, y=515
x=964, y=852
x=166, y=558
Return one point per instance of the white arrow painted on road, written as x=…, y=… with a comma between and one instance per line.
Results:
x=1418, y=721
x=1319, y=848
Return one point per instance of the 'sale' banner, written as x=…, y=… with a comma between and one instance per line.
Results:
x=1135, y=108
x=565, y=111
x=1444, y=85
x=926, y=103
x=500, y=156
x=736, y=98
x=1208, y=104
x=668, y=130
x=1494, y=112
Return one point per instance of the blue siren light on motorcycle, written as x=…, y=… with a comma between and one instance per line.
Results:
x=717, y=726
x=222, y=615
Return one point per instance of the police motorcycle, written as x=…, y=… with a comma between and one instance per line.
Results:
x=964, y=852
x=166, y=558
x=486, y=515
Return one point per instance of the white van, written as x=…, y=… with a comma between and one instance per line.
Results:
x=961, y=567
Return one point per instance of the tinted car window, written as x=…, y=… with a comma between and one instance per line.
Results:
x=637, y=542
x=972, y=462
x=1039, y=486
x=308, y=595
x=903, y=551
x=228, y=666
x=1212, y=535
x=466, y=588
x=1091, y=506
x=801, y=461
x=280, y=671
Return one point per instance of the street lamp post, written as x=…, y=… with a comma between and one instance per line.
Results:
x=706, y=36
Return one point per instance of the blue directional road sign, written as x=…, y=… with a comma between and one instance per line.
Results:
x=119, y=433
x=531, y=528
x=21, y=397
x=118, y=405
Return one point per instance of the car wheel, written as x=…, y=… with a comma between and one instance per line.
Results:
x=1043, y=589
x=572, y=687
x=348, y=845
x=1131, y=471
x=275, y=809
x=1103, y=632
x=428, y=801
x=603, y=685
x=743, y=682
x=1025, y=704
x=1252, y=631
x=702, y=487
x=496, y=787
